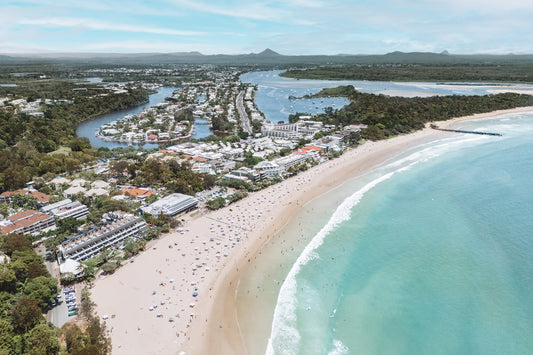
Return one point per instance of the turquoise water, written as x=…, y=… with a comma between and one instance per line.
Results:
x=430, y=254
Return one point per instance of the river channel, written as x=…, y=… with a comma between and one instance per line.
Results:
x=274, y=92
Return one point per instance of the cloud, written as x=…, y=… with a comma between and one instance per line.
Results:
x=134, y=46
x=272, y=11
x=102, y=26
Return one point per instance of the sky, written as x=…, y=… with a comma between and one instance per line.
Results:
x=290, y=27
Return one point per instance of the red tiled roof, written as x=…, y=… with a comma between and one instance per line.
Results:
x=312, y=147
x=41, y=197
x=137, y=192
x=24, y=219
x=21, y=215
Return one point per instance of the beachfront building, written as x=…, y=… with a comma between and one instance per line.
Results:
x=242, y=174
x=289, y=131
x=114, y=229
x=171, y=205
x=290, y=160
x=268, y=169
x=67, y=208
x=27, y=222
x=292, y=130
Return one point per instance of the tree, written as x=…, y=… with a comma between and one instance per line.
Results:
x=41, y=288
x=14, y=242
x=36, y=269
x=319, y=135
x=42, y=339
x=8, y=279
x=6, y=336
x=24, y=201
x=26, y=314
x=4, y=209
x=109, y=267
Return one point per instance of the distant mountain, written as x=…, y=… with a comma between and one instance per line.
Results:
x=269, y=53
x=266, y=57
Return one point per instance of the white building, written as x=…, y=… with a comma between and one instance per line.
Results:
x=171, y=205
x=268, y=169
x=115, y=228
x=290, y=160
x=67, y=208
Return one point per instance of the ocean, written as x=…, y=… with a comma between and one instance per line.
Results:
x=429, y=253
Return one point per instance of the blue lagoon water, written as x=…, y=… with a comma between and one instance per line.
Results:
x=432, y=253
x=89, y=128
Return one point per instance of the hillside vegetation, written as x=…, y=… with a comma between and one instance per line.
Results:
x=390, y=115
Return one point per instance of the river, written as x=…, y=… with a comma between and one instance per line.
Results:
x=89, y=128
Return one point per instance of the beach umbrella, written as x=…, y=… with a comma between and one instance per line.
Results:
x=194, y=294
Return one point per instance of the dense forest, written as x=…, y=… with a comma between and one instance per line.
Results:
x=176, y=177
x=30, y=145
x=26, y=291
x=501, y=73
x=390, y=115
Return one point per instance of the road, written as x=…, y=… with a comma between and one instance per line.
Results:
x=59, y=314
x=245, y=121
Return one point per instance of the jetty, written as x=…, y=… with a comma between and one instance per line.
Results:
x=469, y=132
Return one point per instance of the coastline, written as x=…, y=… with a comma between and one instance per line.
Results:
x=177, y=257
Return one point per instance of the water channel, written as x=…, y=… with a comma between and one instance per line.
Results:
x=89, y=128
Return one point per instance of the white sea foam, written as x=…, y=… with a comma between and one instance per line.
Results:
x=340, y=348
x=284, y=336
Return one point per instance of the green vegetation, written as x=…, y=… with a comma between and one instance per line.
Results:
x=220, y=202
x=25, y=141
x=93, y=339
x=497, y=72
x=174, y=176
x=389, y=116
x=26, y=291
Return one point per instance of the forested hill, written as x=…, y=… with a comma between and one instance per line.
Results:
x=269, y=57
x=27, y=142
x=519, y=72
x=390, y=115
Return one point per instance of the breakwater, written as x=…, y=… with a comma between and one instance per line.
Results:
x=469, y=132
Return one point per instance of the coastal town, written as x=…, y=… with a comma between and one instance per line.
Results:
x=94, y=220
x=160, y=186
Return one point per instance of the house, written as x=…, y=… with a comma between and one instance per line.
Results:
x=139, y=194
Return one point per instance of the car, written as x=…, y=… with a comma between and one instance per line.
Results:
x=53, y=303
x=72, y=313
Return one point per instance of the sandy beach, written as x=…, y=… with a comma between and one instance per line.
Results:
x=179, y=295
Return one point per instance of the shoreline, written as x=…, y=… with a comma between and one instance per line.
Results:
x=183, y=262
